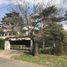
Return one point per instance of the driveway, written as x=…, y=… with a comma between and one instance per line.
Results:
x=11, y=63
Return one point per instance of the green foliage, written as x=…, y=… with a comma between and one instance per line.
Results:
x=50, y=14
x=2, y=44
x=49, y=11
x=54, y=32
x=65, y=42
x=58, y=50
x=54, y=37
x=46, y=50
x=14, y=21
x=1, y=31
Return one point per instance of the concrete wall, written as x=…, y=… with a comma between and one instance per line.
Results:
x=7, y=45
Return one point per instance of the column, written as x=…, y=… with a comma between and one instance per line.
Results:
x=31, y=45
x=7, y=45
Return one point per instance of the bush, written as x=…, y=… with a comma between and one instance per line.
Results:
x=65, y=49
x=2, y=44
x=46, y=50
x=58, y=50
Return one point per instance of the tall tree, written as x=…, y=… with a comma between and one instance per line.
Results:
x=14, y=21
x=45, y=16
x=52, y=30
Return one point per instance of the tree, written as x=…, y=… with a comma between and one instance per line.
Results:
x=45, y=16
x=37, y=37
x=27, y=14
x=52, y=30
x=14, y=21
x=1, y=31
x=54, y=33
x=49, y=17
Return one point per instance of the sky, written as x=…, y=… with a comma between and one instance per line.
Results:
x=7, y=5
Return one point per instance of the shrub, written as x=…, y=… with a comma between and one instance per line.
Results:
x=58, y=50
x=46, y=50
x=1, y=44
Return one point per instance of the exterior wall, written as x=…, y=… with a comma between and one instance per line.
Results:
x=7, y=45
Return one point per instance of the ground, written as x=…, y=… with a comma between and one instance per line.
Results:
x=11, y=63
x=20, y=59
x=6, y=61
x=45, y=60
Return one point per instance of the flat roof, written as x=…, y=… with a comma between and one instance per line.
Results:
x=18, y=38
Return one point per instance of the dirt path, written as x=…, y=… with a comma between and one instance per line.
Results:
x=6, y=61
x=11, y=63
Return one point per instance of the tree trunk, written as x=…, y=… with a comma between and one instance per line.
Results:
x=43, y=44
x=35, y=49
x=54, y=48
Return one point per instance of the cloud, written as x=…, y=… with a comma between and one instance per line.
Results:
x=3, y=2
x=59, y=3
x=65, y=3
x=65, y=26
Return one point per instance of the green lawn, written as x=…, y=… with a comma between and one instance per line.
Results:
x=46, y=60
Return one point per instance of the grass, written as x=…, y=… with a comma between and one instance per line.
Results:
x=46, y=60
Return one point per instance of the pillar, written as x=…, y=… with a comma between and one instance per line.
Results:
x=31, y=45
x=4, y=34
x=7, y=33
x=7, y=45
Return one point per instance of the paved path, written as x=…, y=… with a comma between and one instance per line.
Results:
x=12, y=63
